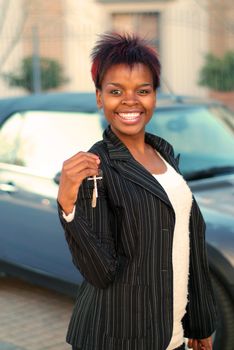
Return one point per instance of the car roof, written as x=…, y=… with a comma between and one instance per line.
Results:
x=77, y=102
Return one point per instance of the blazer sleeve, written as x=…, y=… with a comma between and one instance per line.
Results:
x=91, y=237
x=200, y=319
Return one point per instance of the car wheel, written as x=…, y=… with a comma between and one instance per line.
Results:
x=224, y=335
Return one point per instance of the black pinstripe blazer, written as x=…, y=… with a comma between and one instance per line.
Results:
x=123, y=248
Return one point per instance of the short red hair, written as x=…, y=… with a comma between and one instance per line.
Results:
x=115, y=48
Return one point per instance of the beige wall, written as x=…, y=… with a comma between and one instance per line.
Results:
x=11, y=46
x=184, y=43
x=84, y=20
x=22, y=15
x=143, y=6
x=221, y=26
x=47, y=17
x=182, y=30
x=68, y=29
x=137, y=17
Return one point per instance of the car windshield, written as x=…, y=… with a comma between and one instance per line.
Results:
x=203, y=135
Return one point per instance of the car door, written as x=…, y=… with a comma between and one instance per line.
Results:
x=33, y=146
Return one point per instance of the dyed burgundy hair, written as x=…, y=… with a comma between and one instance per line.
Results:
x=115, y=48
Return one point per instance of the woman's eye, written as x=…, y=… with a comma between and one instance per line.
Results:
x=143, y=92
x=115, y=92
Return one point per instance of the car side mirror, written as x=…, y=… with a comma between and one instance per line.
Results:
x=57, y=178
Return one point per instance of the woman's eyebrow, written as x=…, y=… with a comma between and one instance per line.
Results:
x=114, y=84
x=120, y=85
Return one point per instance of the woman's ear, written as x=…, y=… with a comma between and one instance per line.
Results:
x=99, y=98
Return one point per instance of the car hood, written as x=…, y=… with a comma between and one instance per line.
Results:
x=215, y=193
x=215, y=197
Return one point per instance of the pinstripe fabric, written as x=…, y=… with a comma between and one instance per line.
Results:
x=123, y=248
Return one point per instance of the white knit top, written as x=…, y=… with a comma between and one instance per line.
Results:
x=180, y=197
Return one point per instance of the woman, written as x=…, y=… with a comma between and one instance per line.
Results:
x=134, y=231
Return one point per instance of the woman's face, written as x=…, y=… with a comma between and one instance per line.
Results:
x=128, y=98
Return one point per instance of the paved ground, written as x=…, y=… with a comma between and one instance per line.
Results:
x=32, y=318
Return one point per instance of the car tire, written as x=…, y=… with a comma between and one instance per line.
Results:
x=224, y=335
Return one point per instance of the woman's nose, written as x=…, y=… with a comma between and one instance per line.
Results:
x=129, y=99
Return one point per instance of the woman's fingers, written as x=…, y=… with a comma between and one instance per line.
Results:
x=193, y=344
x=80, y=175
x=81, y=156
x=80, y=166
x=200, y=344
x=190, y=343
x=205, y=344
x=77, y=169
x=87, y=154
x=74, y=171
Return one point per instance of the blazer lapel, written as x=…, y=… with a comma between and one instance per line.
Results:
x=165, y=149
x=135, y=172
x=129, y=168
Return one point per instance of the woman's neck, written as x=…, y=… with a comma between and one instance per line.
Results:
x=134, y=143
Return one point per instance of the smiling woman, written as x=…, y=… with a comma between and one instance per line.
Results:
x=128, y=98
x=131, y=231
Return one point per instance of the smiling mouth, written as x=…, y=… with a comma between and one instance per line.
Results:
x=130, y=116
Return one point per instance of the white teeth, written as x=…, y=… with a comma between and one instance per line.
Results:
x=129, y=116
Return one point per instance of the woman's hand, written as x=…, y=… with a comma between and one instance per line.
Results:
x=74, y=171
x=200, y=344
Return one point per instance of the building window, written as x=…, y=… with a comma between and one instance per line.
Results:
x=145, y=24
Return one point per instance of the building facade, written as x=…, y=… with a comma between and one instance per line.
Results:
x=182, y=30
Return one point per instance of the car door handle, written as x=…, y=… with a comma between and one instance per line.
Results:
x=8, y=187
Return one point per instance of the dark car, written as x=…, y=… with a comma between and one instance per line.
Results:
x=39, y=132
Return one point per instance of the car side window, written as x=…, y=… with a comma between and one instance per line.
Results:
x=9, y=139
x=48, y=138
